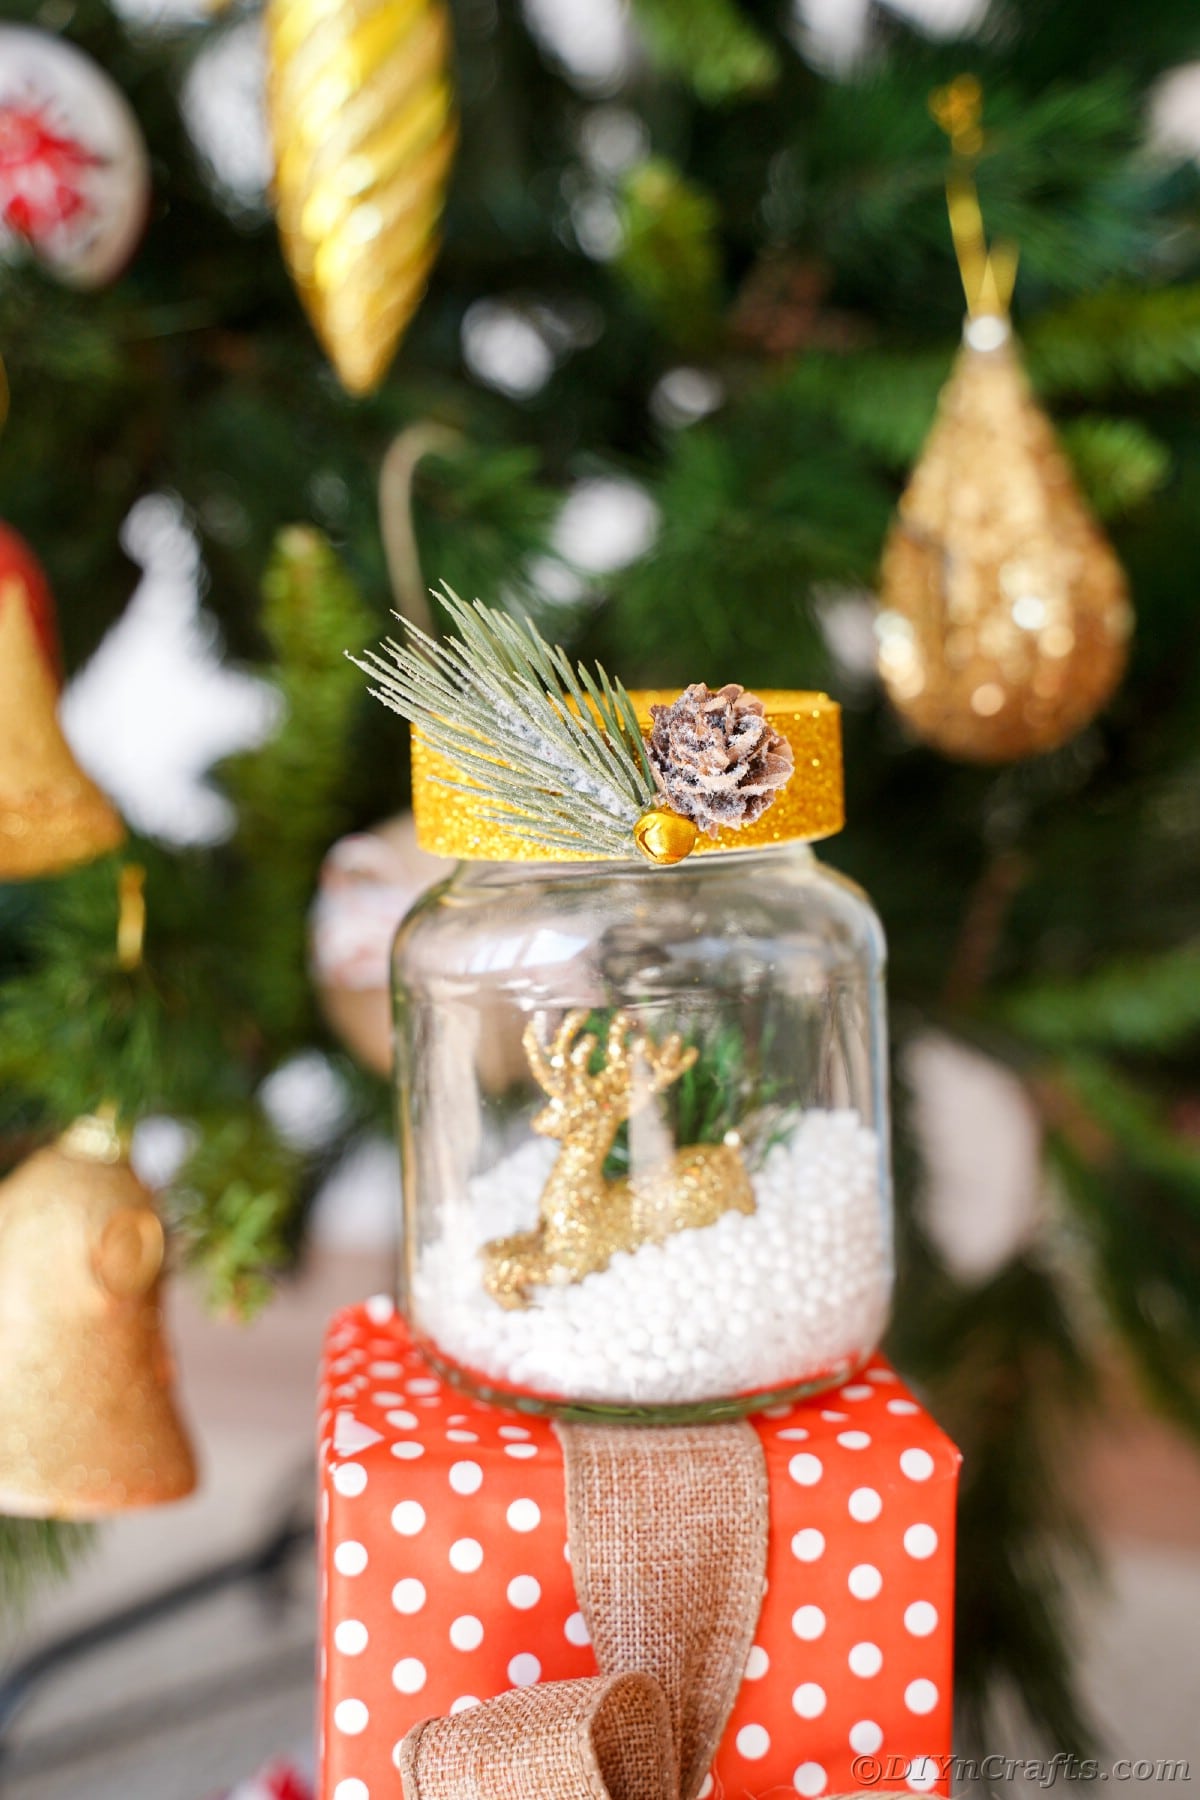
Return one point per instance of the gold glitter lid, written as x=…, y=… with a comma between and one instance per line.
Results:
x=451, y=822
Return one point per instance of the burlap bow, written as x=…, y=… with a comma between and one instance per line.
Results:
x=668, y=1539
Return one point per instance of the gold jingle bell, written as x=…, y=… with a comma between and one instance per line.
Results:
x=88, y=1422
x=665, y=837
x=51, y=814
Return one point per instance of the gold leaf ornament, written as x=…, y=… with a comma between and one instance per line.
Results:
x=1005, y=613
x=362, y=116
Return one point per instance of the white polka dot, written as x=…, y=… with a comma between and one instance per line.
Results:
x=402, y=1419
x=466, y=1477
x=865, y=1581
x=408, y=1517
x=705, y=1788
x=866, y=1659
x=408, y=1596
x=753, y=1742
x=350, y=1717
x=865, y=1505
x=809, y=1544
x=350, y=1558
x=920, y=1541
x=834, y=1418
x=423, y=1384
x=808, y=1622
x=854, y=1440
x=778, y=1412
x=524, y=1515
x=466, y=1555
x=916, y=1464
x=379, y=1308
x=795, y=1434
x=903, y=1408
x=351, y=1789
x=524, y=1669
x=859, y=1392
x=920, y=1696
x=408, y=1451
x=575, y=1630
x=809, y=1780
x=464, y=1703
x=462, y=1437
x=524, y=1591
x=806, y=1469
x=920, y=1618
x=385, y=1371
x=882, y=1375
x=521, y=1452
x=466, y=1633
x=922, y=1773
x=387, y=1399
x=408, y=1676
x=757, y=1663
x=809, y=1700
x=514, y=1431
x=865, y=1737
x=350, y=1479
x=350, y=1637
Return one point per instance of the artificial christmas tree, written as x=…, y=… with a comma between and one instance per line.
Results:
x=695, y=271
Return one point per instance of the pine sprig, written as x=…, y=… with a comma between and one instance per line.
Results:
x=554, y=749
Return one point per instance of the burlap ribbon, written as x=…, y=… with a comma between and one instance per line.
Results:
x=668, y=1538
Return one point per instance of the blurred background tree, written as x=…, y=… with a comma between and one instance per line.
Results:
x=683, y=341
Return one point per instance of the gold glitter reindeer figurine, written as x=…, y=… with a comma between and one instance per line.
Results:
x=584, y=1218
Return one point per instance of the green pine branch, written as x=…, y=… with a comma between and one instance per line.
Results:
x=711, y=43
x=551, y=748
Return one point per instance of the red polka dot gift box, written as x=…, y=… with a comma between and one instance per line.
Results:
x=445, y=1577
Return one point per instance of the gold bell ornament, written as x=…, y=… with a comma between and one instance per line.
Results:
x=88, y=1421
x=1005, y=615
x=51, y=814
x=361, y=110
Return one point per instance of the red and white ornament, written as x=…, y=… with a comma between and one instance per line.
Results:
x=74, y=173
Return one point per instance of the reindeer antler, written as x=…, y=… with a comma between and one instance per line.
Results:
x=666, y=1061
x=561, y=1066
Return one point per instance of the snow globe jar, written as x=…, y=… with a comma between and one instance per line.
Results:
x=640, y=1048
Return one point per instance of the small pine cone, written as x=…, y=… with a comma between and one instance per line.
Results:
x=715, y=757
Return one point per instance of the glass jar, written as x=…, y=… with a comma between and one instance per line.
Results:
x=643, y=1121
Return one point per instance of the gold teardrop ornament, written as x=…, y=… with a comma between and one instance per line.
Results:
x=1005, y=614
x=361, y=109
x=665, y=837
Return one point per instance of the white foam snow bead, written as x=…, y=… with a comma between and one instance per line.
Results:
x=754, y=1301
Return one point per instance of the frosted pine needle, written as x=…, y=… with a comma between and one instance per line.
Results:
x=555, y=748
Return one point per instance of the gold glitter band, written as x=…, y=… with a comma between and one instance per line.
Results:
x=451, y=822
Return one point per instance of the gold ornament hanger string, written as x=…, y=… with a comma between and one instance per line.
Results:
x=98, y=1134
x=988, y=273
x=396, y=475
x=131, y=917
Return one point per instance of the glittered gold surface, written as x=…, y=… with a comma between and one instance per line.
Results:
x=1005, y=613
x=51, y=815
x=88, y=1424
x=585, y=1219
x=362, y=117
x=449, y=822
